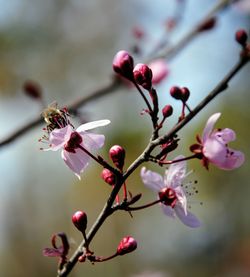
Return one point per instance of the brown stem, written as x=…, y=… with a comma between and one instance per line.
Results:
x=152, y=159
x=144, y=98
x=143, y=206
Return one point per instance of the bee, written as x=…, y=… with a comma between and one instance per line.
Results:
x=54, y=117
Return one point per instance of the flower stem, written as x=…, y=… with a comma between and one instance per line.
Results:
x=143, y=206
x=144, y=97
x=152, y=159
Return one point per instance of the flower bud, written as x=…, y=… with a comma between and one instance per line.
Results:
x=185, y=94
x=138, y=32
x=241, y=37
x=123, y=64
x=108, y=176
x=143, y=75
x=126, y=245
x=167, y=111
x=32, y=89
x=207, y=24
x=117, y=155
x=176, y=93
x=79, y=219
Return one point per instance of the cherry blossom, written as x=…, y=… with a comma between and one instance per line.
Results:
x=215, y=148
x=170, y=192
x=72, y=141
x=160, y=70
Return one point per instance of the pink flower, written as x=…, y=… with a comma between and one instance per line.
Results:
x=215, y=148
x=159, y=69
x=170, y=192
x=69, y=140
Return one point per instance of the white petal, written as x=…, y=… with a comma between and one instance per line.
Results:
x=152, y=179
x=188, y=219
x=92, y=125
x=176, y=173
x=209, y=126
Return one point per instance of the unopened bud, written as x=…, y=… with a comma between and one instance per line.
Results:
x=241, y=37
x=143, y=75
x=123, y=64
x=185, y=94
x=108, y=176
x=79, y=219
x=126, y=245
x=167, y=111
x=176, y=92
x=117, y=155
x=32, y=89
x=207, y=25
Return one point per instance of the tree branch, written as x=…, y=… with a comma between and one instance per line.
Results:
x=107, y=209
x=115, y=83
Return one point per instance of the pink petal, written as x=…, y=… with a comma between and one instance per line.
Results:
x=188, y=218
x=92, y=141
x=232, y=161
x=152, y=179
x=92, y=125
x=209, y=126
x=168, y=211
x=59, y=137
x=159, y=69
x=225, y=135
x=77, y=162
x=52, y=252
x=176, y=173
x=214, y=150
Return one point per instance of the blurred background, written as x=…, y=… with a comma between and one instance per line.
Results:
x=68, y=47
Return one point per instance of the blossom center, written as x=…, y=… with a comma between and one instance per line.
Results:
x=73, y=142
x=168, y=197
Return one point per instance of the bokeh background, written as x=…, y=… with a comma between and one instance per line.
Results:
x=68, y=47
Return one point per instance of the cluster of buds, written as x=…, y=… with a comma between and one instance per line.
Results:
x=142, y=74
x=180, y=93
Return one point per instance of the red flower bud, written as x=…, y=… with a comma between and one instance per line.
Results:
x=32, y=89
x=123, y=64
x=167, y=111
x=108, y=176
x=117, y=155
x=185, y=94
x=79, y=219
x=176, y=93
x=126, y=245
x=241, y=37
x=143, y=75
x=207, y=25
